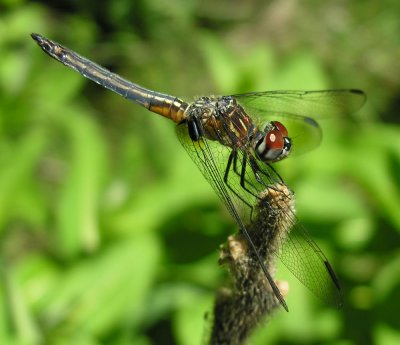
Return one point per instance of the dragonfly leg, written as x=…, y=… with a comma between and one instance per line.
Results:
x=233, y=158
x=273, y=178
x=241, y=175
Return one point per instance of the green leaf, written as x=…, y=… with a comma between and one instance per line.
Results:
x=78, y=208
x=190, y=322
x=221, y=63
x=383, y=334
x=17, y=168
x=20, y=317
x=96, y=295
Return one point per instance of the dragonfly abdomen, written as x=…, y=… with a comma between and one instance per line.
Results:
x=168, y=106
x=159, y=103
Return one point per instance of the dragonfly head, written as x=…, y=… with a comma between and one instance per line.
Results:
x=273, y=144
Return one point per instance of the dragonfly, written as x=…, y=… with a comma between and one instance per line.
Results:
x=235, y=140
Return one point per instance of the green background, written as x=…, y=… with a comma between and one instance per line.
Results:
x=109, y=234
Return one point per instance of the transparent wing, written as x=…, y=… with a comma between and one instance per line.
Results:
x=314, y=104
x=297, y=110
x=297, y=251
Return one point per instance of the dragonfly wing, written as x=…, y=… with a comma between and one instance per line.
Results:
x=303, y=257
x=297, y=251
x=314, y=104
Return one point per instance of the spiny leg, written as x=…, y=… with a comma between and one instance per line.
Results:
x=243, y=177
x=272, y=178
x=233, y=157
x=240, y=174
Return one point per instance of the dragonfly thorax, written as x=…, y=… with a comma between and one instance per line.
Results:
x=222, y=119
x=273, y=144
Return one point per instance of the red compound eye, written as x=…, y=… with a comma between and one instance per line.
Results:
x=281, y=128
x=274, y=140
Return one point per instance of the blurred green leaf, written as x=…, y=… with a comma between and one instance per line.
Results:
x=380, y=182
x=388, y=278
x=386, y=335
x=20, y=316
x=79, y=198
x=19, y=162
x=191, y=322
x=94, y=295
x=221, y=63
x=356, y=233
x=300, y=72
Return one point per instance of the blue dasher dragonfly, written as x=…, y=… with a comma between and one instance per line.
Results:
x=234, y=142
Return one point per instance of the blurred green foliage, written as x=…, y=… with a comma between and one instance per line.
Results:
x=110, y=235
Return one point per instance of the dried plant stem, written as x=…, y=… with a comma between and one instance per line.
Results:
x=240, y=308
